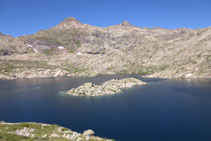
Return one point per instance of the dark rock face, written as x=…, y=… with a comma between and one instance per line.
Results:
x=44, y=44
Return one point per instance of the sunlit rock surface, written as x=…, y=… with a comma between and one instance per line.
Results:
x=110, y=87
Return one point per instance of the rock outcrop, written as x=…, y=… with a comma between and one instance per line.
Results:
x=107, y=88
x=88, y=132
x=38, y=131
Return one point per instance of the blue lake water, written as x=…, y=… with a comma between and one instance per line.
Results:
x=162, y=110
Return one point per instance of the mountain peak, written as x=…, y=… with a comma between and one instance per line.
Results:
x=69, y=22
x=125, y=23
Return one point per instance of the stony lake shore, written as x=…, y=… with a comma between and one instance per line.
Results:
x=110, y=87
x=43, y=132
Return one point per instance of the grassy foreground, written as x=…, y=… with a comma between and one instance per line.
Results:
x=29, y=131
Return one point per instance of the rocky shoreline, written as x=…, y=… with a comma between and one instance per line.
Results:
x=107, y=88
x=39, y=131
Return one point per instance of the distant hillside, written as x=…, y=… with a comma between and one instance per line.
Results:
x=75, y=49
x=10, y=45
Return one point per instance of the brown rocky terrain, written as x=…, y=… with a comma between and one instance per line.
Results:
x=10, y=45
x=75, y=49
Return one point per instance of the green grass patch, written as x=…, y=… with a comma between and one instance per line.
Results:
x=10, y=65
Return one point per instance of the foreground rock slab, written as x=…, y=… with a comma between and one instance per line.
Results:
x=107, y=88
x=38, y=131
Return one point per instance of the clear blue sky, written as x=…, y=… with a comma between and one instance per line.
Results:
x=21, y=17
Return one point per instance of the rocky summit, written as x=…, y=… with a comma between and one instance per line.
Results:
x=108, y=88
x=72, y=48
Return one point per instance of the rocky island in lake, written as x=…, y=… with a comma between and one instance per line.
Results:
x=107, y=88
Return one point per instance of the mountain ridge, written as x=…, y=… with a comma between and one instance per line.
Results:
x=72, y=48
